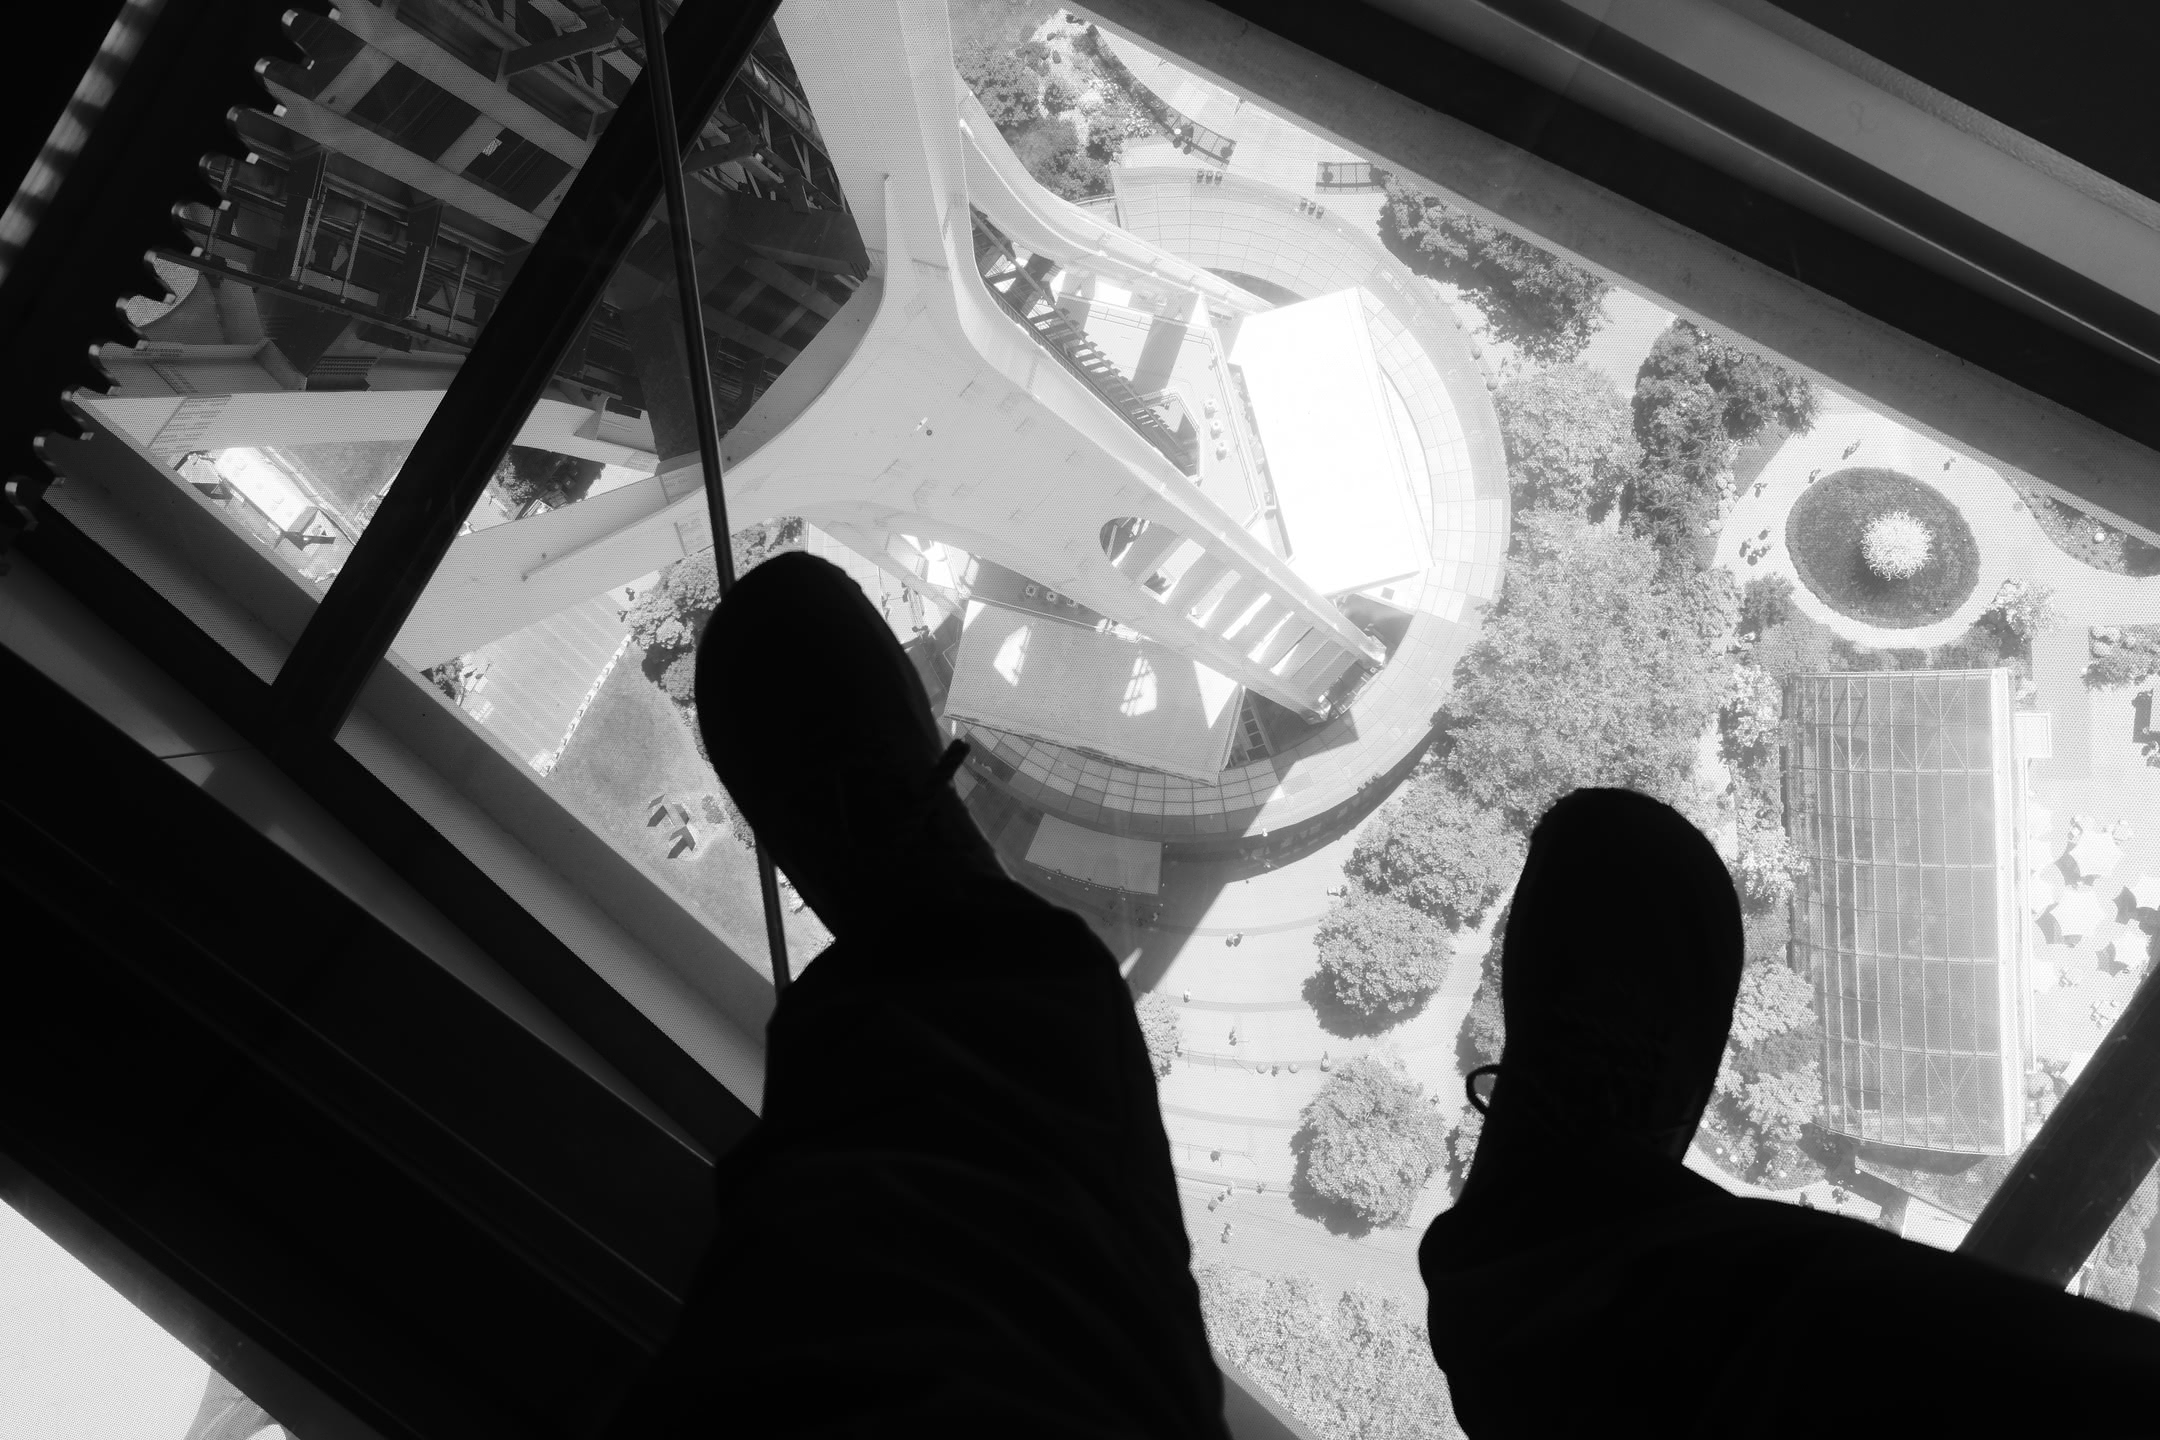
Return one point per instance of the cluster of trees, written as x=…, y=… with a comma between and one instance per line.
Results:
x=2123, y=655
x=1544, y=306
x=1438, y=850
x=527, y=475
x=1605, y=661
x=1597, y=666
x=1570, y=438
x=1771, y=1080
x=1665, y=456
x=1358, y=1369
x=1369, y=1140
x=1161, y=1029
x=2119, y=1263
x=1698, y=400
x=666, y=621
x=1484, y=1037
x=1040, y=110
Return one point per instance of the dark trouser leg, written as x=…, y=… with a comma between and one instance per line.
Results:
x=1654, y=1303
x=958, y=1209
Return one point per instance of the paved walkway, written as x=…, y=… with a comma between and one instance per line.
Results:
x=538, y=678
x=2011, y=543
x=1232, y=1103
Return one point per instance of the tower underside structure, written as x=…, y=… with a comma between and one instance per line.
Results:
x=908, y=377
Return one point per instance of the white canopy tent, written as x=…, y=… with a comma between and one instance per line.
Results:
x=2095, y=854
x=2077, y=914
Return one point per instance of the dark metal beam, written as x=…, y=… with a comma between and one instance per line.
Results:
x=323, y=1137
x=690, y=296
x=2094, y=1150
x=562, y=47
x=511, y=363
x=735, y=147
x=442, y=873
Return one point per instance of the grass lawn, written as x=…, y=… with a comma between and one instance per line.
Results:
x=632, y=746
x=1823, y=532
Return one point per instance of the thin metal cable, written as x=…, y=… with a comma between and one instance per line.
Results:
x=701, y=397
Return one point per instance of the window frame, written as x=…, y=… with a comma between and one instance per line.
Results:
x=1641, y=201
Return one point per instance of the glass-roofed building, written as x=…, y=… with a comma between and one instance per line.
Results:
x=1902, y=789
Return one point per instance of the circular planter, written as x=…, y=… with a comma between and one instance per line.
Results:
x=1823, y=533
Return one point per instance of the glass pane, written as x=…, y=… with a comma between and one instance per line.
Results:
x=78, y=1360
x=563, y=622
x=361, y=246
x=1278, y=456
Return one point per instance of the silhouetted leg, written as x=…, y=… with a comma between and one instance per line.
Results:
x=957, y=1215
x=1652, y=1302
x=1587, y=1283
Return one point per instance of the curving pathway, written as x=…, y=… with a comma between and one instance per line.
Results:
x=2012, y=545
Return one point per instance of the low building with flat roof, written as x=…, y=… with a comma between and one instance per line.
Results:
x=1341, y=448
x=1902, y=793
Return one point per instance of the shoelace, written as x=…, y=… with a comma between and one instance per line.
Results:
x=1469, y=1085
x=1657, y=1137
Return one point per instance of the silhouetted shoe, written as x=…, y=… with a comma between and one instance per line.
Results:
x=1619, y=968
x=820, y=728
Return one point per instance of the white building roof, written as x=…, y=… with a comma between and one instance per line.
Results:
x=1129, y=699
x=1334, y=452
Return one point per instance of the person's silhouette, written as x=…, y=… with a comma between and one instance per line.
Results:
x=957, y=1213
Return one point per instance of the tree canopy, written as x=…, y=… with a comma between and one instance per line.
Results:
x=1774, y=1030
x=1161, y=1029
x=1437, y=848
x=1359, y=1369
x=1007, y=87
x=1053, y=154
x=527, y=475
x=1369, y=1140
x=1765, y=601
x=2129, y=655
x=1382, y=957
x=1697, y=400
x=1795, y=646
x=2121, y=1256
x=668, y=618
x=1532, y=298
x=1593, y=669
x=1569, y=435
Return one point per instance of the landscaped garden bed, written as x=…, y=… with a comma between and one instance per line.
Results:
x=1829, y=529
x=2085, y=539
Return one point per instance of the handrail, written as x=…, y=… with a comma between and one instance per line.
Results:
x=1125, y=403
